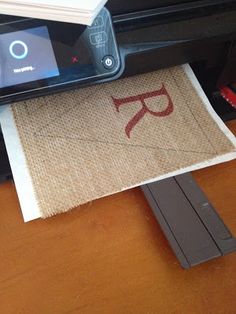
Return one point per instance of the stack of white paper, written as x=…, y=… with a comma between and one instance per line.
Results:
x=72, y=11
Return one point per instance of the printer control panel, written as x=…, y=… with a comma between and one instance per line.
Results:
x=38, y=56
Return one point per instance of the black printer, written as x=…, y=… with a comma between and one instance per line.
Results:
x=128, y=38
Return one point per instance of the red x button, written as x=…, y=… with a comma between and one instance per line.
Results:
x=74, y=59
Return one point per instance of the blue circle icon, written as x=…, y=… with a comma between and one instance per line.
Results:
x=18, y=43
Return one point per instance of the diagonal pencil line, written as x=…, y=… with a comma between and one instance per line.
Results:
x=87, y=97
x=35, y=110
x=67, y=110
x=123, y=144
x=190, y=110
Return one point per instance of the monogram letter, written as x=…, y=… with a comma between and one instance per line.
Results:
x=118, y=102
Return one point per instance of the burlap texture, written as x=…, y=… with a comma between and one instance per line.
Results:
x=78, y=146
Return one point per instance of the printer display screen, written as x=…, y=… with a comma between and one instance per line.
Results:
x=37, y=56
x=26, y=56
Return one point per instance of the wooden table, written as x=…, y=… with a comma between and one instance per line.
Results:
x=110, y=256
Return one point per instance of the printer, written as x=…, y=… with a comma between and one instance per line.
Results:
x=135, y=37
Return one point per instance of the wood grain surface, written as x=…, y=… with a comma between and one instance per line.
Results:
x=110, y=256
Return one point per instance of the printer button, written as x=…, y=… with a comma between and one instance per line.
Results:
x=98, y=22
x=108, y=62
x=98, y=39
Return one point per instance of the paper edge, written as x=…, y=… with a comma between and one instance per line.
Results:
x=26, y=193
x=83, y=17
x=88, y=5
x=195, y=83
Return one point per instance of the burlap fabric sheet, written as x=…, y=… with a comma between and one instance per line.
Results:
x=84, y=144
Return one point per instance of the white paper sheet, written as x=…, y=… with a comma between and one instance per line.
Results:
x=72, y=11
x=80, y=5
x=21, y=175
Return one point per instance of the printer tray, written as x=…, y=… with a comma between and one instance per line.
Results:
x=193, y=228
